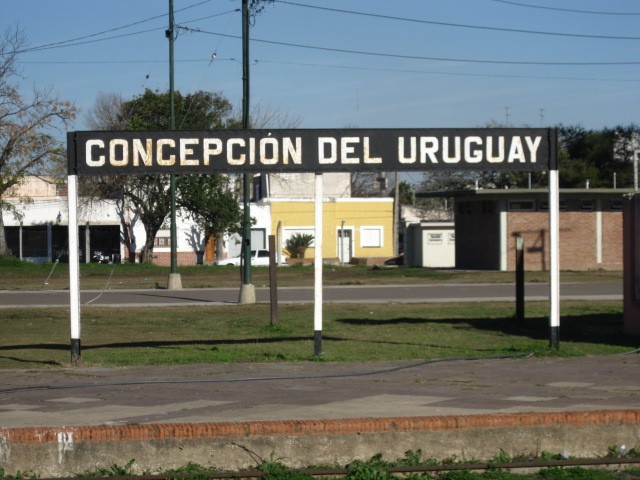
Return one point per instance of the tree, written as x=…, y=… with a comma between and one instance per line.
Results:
x=211, y=202
x=148, y=194
x=372, y=184
x=595, y=155
x=591, y=156
x=27, y=128
x=405, y=193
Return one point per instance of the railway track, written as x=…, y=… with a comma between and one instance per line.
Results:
x=412, y=469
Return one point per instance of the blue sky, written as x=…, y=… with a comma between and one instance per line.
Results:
x=459, y=63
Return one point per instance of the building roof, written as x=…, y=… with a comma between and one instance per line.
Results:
x=529, y=192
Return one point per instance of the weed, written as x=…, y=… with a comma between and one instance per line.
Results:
x=367, y=471
x=18, y=475
x=278, y=471
x=502, y=457
x=617, y=451
x=548, y=456
x=113, y=471
x=195, y=471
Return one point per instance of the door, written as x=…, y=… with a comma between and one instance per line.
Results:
x=345, y=251
x=439, y=249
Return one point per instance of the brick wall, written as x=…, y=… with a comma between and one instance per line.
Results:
x=533, y=227
x=612, y=238
x=578, y=238
x=478, y=236
x=184, y=258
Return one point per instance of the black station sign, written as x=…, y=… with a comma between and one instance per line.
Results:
x=300, y=150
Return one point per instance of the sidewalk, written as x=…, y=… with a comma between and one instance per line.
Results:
x=63, y=421
x=298, y=391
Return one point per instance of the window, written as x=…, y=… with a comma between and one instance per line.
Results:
x=521, y=205
x=258, y=238
x=616, y=205
x=371, y=237
x=452, y=238
x=543, y=205
x=263, y=253
x=434, y=239
x=587, y=205
x=162, y=242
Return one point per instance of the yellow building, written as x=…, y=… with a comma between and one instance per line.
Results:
x=352, y=228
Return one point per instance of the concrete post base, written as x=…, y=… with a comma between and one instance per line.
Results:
x=247, y=294
x=175, y=282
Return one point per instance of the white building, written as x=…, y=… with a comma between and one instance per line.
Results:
x=428, y=243
x=39, y=232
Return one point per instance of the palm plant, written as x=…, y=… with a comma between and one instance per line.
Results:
x=297, y=244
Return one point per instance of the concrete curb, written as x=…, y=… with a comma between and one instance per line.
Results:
x=63, y=451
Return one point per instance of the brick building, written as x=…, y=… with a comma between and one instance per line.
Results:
x=487, y=223
x=631, y=277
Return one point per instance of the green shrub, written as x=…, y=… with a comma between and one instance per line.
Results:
x=297, y=244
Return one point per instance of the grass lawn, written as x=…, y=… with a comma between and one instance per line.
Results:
x=16, y=275
x=351, y=332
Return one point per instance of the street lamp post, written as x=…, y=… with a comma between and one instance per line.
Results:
x=175, y=282
x=247, y=290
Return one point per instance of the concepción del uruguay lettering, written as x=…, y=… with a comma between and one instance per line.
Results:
x=323, y=150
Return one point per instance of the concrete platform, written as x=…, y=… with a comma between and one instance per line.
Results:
x=64, y=421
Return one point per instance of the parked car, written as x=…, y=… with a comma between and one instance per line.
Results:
x=259, y=258
x=99, y=257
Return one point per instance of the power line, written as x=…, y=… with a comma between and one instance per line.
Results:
x=115, y=62
x=460, y=25
x=79, y=40
x=418, y=57
x=570, y=10
x=432, y=72
x=70, y=42
x=82, y=40
x=58, y=45
x=334, y=66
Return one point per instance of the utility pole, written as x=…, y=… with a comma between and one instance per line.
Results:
x=247, y=290
x=175, y=282
x=396, y=217
x=635, y=162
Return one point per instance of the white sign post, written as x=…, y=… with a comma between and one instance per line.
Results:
x=74, y=269
x=554, y=249
x=317, y=263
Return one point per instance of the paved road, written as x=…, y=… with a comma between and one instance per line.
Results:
x=338, y=294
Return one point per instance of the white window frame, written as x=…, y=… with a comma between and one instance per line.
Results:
x=365, y=241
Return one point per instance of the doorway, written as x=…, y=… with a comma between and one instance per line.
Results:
x=345, y=244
